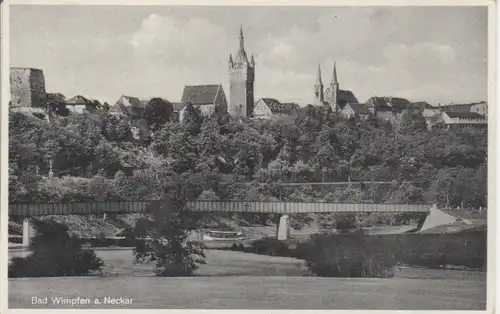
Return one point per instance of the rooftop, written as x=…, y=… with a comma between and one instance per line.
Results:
x=200, y=94
x=128, y=105
x=276, y=107
x=177, y=106
x=79, y=100
x=359, y=108
x=464, y=115
x=388, y=103
x=347, y=96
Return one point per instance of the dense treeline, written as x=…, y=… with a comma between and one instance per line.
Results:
x=99, y=156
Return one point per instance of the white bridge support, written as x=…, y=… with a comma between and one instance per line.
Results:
x=283, y=230
x=437, y=218
x=28, y=232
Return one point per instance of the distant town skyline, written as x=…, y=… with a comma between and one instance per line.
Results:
x=435, y=54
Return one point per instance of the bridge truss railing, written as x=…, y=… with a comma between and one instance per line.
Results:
x=127, y=207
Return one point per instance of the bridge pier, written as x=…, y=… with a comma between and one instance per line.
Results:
x=437, y=218
x=283, y=230
x=28, y=232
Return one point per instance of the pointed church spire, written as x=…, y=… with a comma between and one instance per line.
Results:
x=241, y=56
x=252, y=61
x=242, y=39
x=318, y=78
x=230, y=59
x=334, y=77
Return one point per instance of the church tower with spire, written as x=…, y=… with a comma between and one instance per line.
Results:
x=333, y=97
x=241, y=82
x=332, y=92
x=318, y=89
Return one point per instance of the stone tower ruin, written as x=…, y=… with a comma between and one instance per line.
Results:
x=27, y=87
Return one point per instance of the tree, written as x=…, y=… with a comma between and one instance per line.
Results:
x=115, y=129
x=157, y=112
x=326, y=157
x=166, y=237
x=105, y=107
x=460, y=186
x=56, y=103
x=247, y=161
x=182, y=152
x=55, y=253
x=192, y=119
x=412, y=121
x=345, y=222
x=213, y=149
x=17, y=189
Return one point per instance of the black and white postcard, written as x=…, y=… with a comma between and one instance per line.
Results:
x=248, y=156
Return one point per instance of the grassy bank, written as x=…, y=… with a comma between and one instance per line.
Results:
x=235, y=280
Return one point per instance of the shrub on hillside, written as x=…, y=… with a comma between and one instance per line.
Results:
x=55, y=253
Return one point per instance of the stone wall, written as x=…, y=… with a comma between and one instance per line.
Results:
x=27, y=87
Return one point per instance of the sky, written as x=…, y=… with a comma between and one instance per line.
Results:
x=436, y=54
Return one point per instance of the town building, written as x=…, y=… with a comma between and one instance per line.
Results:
x=387, y=108
x=129, y=106
x=432, y=117
x=394, y=104
x=420, y=105
x=333, y=96
x=80, y=104
x=355, y=110
x=455, y=107
x=272, y=109
x=27, y=87
x=480, y=108
x=208, y=98
x=241, y=82
x=457, y=119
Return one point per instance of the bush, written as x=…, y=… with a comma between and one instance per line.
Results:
x=345, y=222
x=102, y=239
x=55, y=253
x=358, y=255
x=270, y=246
x=466, y=248
x=353, y=255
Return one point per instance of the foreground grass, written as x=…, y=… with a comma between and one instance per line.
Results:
x=219, y=263
x=258, y=292
x=247, y=281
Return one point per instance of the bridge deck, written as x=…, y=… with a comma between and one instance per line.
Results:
x=129, y=207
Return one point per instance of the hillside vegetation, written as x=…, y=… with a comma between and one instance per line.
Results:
x=101, y=157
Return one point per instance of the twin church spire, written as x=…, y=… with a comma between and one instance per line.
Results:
x=331, y=95
x=334, y=76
